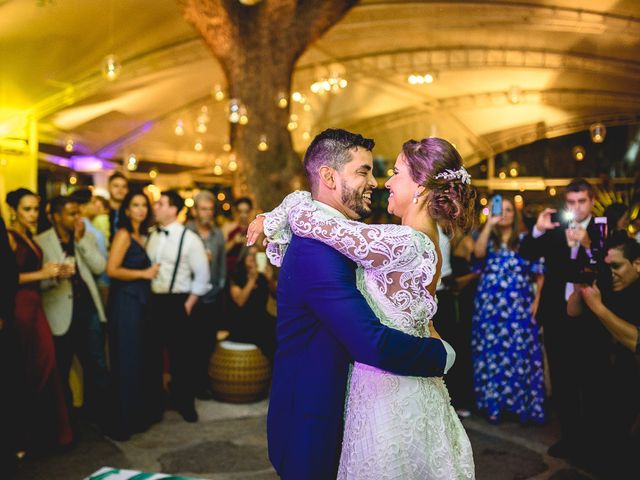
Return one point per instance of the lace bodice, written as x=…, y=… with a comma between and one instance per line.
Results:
x=396, y=263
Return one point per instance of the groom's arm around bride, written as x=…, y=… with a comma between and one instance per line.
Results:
x=324, y=324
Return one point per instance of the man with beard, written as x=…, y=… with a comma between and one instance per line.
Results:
x=324, y=323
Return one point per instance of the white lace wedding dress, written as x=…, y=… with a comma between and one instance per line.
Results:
x=395, y=427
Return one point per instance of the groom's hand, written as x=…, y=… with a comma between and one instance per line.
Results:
x=254, y=231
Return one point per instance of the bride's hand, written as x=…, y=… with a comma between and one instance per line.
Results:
x=433, y=333
x=254, y=231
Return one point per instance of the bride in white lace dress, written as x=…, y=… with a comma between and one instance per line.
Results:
x=396, y=427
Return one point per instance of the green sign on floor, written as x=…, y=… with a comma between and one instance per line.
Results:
x=108, y=473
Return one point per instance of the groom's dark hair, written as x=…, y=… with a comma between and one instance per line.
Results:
x=332, y=148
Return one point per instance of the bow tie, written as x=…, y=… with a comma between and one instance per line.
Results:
x=163, y=230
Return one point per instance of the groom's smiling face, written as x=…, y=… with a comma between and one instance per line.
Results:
x=355, y=184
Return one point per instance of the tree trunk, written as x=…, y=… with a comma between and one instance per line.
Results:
x=258, y=47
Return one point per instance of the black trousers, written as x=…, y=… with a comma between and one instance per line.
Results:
x=85, y=339
x=171, y=329
x=454, y=327
x=206, y=324
x=579, y=366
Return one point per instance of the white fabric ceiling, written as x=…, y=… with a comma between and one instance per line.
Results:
x=567, y=62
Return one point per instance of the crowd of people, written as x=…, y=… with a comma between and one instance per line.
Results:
x=134, y=294
x=555, y=302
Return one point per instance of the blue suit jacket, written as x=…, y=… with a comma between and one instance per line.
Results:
x=324, y=324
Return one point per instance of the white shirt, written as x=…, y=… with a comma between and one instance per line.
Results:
x=193, y=271
x=451, y=353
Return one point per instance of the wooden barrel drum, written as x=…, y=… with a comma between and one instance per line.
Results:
x=239, y=372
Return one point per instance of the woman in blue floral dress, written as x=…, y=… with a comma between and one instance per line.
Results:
x=506, y=344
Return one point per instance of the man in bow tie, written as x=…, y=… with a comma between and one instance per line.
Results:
x=182, y=278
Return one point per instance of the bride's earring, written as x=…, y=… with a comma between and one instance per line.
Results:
x=415, y=197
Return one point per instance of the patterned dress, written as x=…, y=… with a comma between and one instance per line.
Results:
x=396, y=427
x=507, y=350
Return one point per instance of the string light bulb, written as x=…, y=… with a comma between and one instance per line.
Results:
x=263, y=146
x=132, y=162
x=68, y=146
x=179, y=128
x=111, y=67
x=198, y=146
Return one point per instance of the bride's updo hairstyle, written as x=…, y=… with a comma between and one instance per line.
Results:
x=436, y=165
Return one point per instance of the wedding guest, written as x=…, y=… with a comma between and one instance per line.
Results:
x=101, y=218
x=206, y=313
x=9, y=403
x=251, y=283
x=43, y=412
x=118, y=187
x=462, y=283
x=506, y=343
x=578, y=349
x=235, y=232
x=615, y=305
x=182, y=278
x=84, y=198
x=72, y=303
x=617, y=218
x=131, y=273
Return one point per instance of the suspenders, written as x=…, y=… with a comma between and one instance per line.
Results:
x=175, y=268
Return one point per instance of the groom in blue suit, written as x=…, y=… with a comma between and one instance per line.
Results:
x=324, y=323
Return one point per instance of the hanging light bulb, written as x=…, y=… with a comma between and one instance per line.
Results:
x=132, y=162
x=293, y=122
x=598, y=131
x=234, y=110
x=263, y=146
x=153, y=173
x=198, y=146
x=282, y=100
x=244, y=118
x=179, y=129
x=514, y=94
x=68, y=146
x=578, y=153
x=111, y=67
x=233, y=166
x=73, y=180
x=306, y=135
x=217, y=170
x=201, y=128
x=226, y=147
x=218, y=93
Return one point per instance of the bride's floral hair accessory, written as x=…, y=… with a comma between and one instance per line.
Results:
x=460, y=174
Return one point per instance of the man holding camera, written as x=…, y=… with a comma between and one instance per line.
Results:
x=617, y=309
x=577, y=349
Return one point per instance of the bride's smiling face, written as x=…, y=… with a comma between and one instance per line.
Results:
x=401, y=188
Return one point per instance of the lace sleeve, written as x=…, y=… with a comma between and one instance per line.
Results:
x=276, y=226
x=371, y=246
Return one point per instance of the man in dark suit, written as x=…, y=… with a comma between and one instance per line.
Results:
x=8, y=287
x=577, y=348
x=324, y=323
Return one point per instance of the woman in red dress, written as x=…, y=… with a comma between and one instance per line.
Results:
x=44, y=419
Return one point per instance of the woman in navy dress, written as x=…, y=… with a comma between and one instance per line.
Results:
x=131, y=273
x=506, y=344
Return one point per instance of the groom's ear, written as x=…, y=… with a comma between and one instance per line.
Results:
x=327, y=177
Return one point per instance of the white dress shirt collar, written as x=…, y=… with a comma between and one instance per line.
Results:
x=330, y=210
